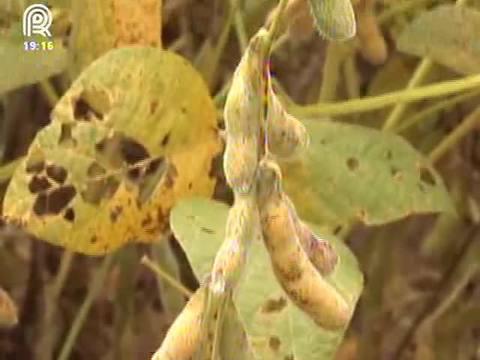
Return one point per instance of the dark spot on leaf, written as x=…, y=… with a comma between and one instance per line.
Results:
x=153, y=165
x=57, y=173
x=38, y=184
x=132, y=151
x=95, y=170
x=134, y=174
x=274, y=305
x=289, y=357
x=337, y=229
x=362, y=214
x=54, y=202
x=166, y=139
x=274, y=343
x=190, y=185
x=115, y=213
x=93, y=239
x=207, y=230
x=153, y=106
x=183, y=109
x=323, y=141
x=147, y=221
x=170, y=176
x=396, y=173
x=388, y=155
x=427, y=177
x=69, y=215
x=352, y=163
x=35, y=167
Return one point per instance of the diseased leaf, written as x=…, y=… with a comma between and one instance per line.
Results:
x=135, y=132
x=276, y=328
x=334, y=19
x=21, y=67
x=353, y=173
x=447, y=34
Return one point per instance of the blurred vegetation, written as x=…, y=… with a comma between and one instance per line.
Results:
x=106, y=119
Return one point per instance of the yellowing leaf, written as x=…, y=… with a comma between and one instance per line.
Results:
x=448, y=35
x=134, y=133
x=101, y=25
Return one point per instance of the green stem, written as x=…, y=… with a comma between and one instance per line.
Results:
x=436, y=108
x=373, y=103
x=93, y=291
x=470, y=122
x=419, y=75
x=331, y=73
x=165, y=276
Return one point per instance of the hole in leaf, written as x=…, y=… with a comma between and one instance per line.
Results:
x=352, y=163
x=91, y=103
x=100, y=189
x=54, y=202
x=66, y=137
x=57, y=173
x=95, y=170
x=396, y=173
x=153, y=165
x=427, y=177
x=115, y=213
x=69, y=215
x=132, y=151
x=38, y=184
x=274, y=343
x=35, y=164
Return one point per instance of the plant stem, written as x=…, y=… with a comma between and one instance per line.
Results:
x=275, y=27
x=165, y=276
x=49, y=92
x=93, y=291
x=381, y=101
x=418, y=76
x=470, y=122
x=435, y=108
x=331, y=72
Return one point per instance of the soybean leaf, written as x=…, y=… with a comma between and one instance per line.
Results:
x=354, y=173
x=102, y=25
x=134, y=133
x=447, y=34
x=21, y=67
x=276, y=328
x=334, y=19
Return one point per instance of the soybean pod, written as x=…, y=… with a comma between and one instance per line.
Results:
x=185, y=336
x=244, y=115
x=334, y=19
x=304, y=285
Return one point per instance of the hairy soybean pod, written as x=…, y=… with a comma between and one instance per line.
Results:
x=185, y=335
x=243, y=114
x=304, y=285
x=373, y=46
x=286, y=135
x=241, y=228
x=334, y=19
x=319, y=251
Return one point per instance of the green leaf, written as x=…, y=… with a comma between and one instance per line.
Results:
x=448, y=35
x=133, y=134
x=276, y=328
x=21, y=67
x=335, y=19
x=354, y=173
